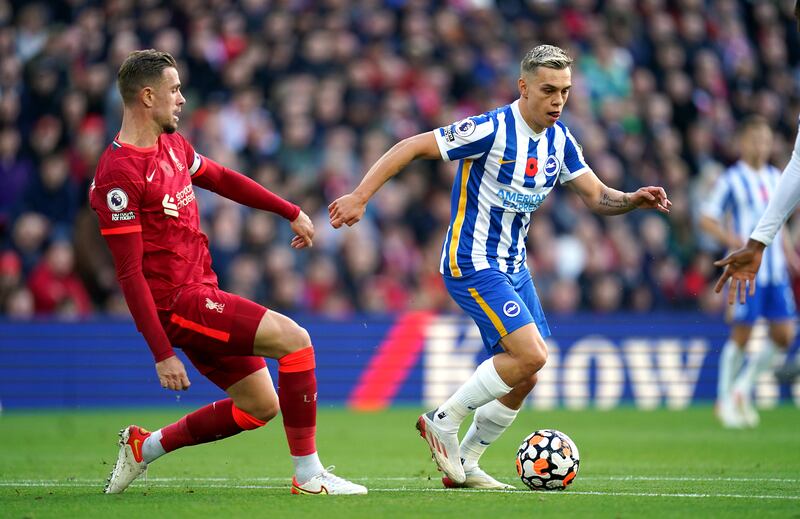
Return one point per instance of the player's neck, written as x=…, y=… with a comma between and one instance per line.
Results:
x=753, y=164
x=142, y=133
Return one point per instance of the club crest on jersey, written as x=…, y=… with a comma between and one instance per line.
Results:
x=117, y=200
x=178, y=164
x=511, y=308
x=213, y=305
x=551, y=166
x=465, y=128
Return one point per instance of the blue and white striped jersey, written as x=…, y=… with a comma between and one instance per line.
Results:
x=744, y=193
x=504, y=174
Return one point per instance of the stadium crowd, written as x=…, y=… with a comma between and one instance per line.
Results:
x=304, y=96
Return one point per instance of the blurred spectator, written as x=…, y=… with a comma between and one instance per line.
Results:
x=305, y=100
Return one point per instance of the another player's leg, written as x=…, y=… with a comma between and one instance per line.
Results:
x=281, y=338
x=781, y=335
x=221, y=419
x=489, y=422
x=730, y=362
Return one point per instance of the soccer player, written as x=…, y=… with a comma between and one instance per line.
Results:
x=143, y=194
x=743, y=191
x=741, y=265
x=510, y=159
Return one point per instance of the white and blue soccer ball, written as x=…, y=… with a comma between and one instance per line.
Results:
x=547, y=460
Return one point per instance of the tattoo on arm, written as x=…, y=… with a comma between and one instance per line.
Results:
x=615, y=202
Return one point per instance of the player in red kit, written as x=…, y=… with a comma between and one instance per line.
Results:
x=143, y=194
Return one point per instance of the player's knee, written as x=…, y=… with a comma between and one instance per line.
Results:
x=295, y=338
x=534, y=359
x=256, y=414
x=527, y=384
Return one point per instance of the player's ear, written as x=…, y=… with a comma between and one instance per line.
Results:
x=147, y=94
x=523, y=86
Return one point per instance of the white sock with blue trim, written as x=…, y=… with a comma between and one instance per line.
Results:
x=490, y=421
x=730, y=362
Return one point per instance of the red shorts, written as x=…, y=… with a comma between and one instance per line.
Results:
x=216, y=331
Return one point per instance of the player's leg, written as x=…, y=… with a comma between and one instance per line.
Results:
x=778, y=308
x=503, y=317
x=281, y=338
x=731, y=360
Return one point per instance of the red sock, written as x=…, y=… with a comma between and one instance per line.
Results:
x=212, y=422
x=297, y=393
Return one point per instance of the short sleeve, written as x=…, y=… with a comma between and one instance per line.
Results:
x=718, y=200
x=116, y=197
x=467, y=139
x=574, y=164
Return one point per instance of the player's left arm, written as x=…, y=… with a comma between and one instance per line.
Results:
x=608, y=201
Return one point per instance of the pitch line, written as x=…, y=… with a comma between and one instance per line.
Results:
x=144, y=484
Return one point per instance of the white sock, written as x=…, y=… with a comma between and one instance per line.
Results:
x=151, y=448
x=482, y=387
x=490, y=421
x=306, y=467
x=757, y=364
x=730, y=362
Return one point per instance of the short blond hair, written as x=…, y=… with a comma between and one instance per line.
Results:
x=548, y=56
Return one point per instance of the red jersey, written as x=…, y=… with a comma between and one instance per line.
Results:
x=149, y=190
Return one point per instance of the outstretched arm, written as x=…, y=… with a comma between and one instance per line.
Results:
x=242, y=189
x=350, y=208
x=608, y=201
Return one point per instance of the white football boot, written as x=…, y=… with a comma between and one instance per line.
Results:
x=477, y=478
x=728, y=414
x=444, y=447
x=327, y=482
x=746, y=409
x=130, y=463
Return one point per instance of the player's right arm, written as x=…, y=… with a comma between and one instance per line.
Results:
x=468, y=138
x=117, y=206
x=350, y=208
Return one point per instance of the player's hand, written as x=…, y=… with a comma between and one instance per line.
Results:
x=172, y=374
x=741, y=267
x=304, y=231
x=651, y=197
x=347, y=210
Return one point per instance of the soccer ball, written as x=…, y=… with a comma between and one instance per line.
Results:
x=547, y=460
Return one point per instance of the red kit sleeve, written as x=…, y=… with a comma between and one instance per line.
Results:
x=115, y=197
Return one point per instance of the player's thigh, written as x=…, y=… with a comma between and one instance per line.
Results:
x=208, y=319
x=224, y=370
x=740, y=333
x=255, y=394
x=782, y=332
x=278, y=335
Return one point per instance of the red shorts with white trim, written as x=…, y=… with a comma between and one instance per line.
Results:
x=216, y=330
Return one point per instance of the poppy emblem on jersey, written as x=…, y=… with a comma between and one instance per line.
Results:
x=551, y=166
x=465, y=128
x=511, y=308
x=531, y=167
x=117, y=200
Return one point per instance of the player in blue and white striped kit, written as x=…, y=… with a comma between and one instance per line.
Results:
x=509, y=160
x=743, y=192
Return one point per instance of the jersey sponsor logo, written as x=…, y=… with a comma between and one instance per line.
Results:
x=465, y=128
x=123, y=217
x=178, y=164
x=170, y=208
x=526, y=203
x=213, y=305
x=511, y=308
x=448, y=134
x=117, y=200
x=151, y=175
x=551, y=166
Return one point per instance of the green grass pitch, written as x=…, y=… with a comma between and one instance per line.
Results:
x=633, y=464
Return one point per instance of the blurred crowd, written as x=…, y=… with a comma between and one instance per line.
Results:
x=304, y=96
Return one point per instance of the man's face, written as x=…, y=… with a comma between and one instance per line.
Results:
x=544, y=93
x=167, y=100
x=756, y=144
